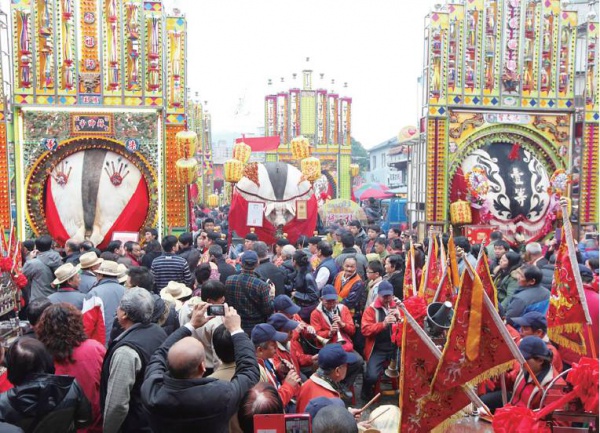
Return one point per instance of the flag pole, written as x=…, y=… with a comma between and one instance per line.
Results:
x=441, y=283
x=412, y=267
x=429, y=257
x=438, y=354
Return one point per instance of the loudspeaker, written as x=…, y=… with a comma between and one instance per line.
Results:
x=439, y=318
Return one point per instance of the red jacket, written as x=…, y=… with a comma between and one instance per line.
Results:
x=370, y=327
x=288, y=354
x=286, y=391
x=320, y=322
x=314, y=387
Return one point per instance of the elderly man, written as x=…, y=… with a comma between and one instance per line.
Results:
x=40, y=266
x=67, y=279
x=125, y=364
x=249, y=295
x=88, y=262
x=109, y=291
x=179, y=398
x=376, y=326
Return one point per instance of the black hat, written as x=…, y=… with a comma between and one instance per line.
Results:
x=251, y=237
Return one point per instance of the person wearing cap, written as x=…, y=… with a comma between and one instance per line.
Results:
x=318, y=403
x=327, y=269
x=376, y=327
x=530, y=295
x=535, y=323
x=67, y=280
x=88, y=262
x=249, y=240
x=249, y=295
x=331, y=320
x=539, y=358
x=265, y=339
x=286, y=357
x=333, y=363
x=109, y=291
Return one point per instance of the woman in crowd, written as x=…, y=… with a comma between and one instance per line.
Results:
x=304, y=287
x=375, y=273
x=40, y=398
x=61, y=330
x=506, y=279
x=394, y=273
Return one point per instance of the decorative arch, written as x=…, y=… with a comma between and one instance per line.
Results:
x=41, y=169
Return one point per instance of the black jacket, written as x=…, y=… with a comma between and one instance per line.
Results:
x=56, y=402
x=192, y=255
x=268, y=271
x=204, y=404
x=225, y=269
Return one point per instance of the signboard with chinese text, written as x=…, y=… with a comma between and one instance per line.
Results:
x=92, y=124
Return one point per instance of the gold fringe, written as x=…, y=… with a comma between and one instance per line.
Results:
x=492, y=372
x=440, y=428
x=556, y=334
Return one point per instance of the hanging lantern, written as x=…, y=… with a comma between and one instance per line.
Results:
x=187, y=143
x=460, y=212
x=354, y=170
x=187, y=170
x=213, y=200
x=241, y=152
x=311, y=168
x=234, y=169
x=300, y=148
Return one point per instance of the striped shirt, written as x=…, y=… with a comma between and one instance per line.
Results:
x=170, y=267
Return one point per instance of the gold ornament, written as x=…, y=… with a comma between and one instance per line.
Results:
x=300, y=148
x=241, y=152
x=354, y=170
x=212, y=200
x=187, y=144
x=187, y=170
x=311, y=168
x=460, y=212
x=233, y=170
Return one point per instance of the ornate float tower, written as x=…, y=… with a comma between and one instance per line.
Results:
x=510, y=94
x=99, y=96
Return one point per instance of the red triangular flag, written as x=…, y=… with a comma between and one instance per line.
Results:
x=432, y=275
x=454, y=274
x=475, y=348
x=483, y=270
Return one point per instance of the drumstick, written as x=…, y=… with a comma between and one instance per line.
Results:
x=373, y=400
x=378, y=415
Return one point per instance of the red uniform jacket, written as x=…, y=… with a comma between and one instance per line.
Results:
x=320, y=322
x=286, y=391
x=314, y=387
x=370, y=327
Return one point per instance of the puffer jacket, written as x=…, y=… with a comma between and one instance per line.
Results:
x=56, y=402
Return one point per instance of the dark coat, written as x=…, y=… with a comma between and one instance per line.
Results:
x=225, y=269
x=57, y=402
x=268, y=271
x=192, y=255
x=204, y=404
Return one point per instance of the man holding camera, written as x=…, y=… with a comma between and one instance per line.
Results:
x=376, y=327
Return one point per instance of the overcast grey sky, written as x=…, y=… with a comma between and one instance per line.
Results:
x=375, y=46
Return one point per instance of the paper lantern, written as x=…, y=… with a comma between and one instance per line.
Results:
x=300, y=148
x=241, y=152
x=212, y=200
x=187, y=143
x=311, y=168
x=187, y=170
x=233, y=170
x=354, y=170
x=460, y=212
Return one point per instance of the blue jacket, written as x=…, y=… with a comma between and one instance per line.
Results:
x=525, y=299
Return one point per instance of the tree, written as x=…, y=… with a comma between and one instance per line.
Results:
x=359, y=155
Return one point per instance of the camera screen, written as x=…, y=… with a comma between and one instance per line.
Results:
x=216, y=310
x=297, y=425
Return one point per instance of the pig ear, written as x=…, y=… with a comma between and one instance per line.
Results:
x=270, y=207
x=291, y=207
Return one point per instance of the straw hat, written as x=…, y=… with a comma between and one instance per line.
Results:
x=176, y=290
x=169, y=298
x=64, y=272
x=123, y=273
x=89, y=259
x=108, y=268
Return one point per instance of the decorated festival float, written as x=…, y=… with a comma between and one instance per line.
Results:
x=98, y=100
x=511, y=106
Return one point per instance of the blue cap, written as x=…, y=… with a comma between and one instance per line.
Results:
x=584, y=271
x=284, y=303
x=282, y=323
x=329, y=293
x=533, y=319
x=385, y=288
x=264, y=332
x=318, y=403
x=333, y=355
x=249, y=258
x=532, y=346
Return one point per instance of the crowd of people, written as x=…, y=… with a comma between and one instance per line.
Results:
x=170, y=334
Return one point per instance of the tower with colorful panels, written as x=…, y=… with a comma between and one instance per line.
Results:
x=511, y=92
x=98, y=97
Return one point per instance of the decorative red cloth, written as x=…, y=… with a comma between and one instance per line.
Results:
x=483, y=270
x=432, y=275
x=493, y=355
x=418, y=413
x=584, y=378
x=238, y=218
x=260, y=144
x=514, y=419
x=566, y=317
x=417, y=308
x=408, y=273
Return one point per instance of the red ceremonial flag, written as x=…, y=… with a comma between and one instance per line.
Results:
x=433, y=273
x=476, y=347
x=445, y=291
x=420, y=358
x=483, y=270
x=454, y=275
x=409, y=274
x=568, y=313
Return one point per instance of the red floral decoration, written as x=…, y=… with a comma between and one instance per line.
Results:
x=6, y=264
x=20, y=280
x=417, y=307
x=584, y=377
x=515, y=419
